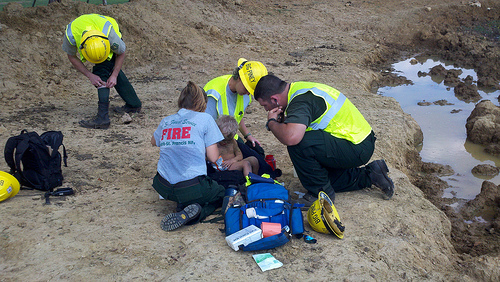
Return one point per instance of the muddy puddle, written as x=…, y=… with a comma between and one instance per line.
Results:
x=443, y=123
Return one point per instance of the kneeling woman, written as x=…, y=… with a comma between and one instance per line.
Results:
x=186, y=139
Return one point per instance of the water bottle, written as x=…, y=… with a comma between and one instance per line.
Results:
x=271, y=161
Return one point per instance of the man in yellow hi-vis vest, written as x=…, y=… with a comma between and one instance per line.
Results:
x=98, y=40
x=327, y=138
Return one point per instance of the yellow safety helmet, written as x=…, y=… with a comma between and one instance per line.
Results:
x=250, y=73
x=9, y=186
x=323, y=217
x=95, y=46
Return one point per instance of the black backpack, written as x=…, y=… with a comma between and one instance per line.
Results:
x=35, y=159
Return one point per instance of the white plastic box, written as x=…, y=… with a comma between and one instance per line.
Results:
x=244, y=237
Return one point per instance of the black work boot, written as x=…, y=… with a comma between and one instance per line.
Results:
x=378, y=175
x=307, y=200
x=127, y=109
x=101, y=120
x=330, y=192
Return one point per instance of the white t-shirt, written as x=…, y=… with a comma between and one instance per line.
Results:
x=183, y=138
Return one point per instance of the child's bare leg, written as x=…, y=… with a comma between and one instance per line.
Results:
x=242, y=165
x=247, y=167
x=254, y=162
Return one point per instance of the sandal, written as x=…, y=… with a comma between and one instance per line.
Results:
x=175, y=220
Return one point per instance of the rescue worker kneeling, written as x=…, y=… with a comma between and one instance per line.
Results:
x=327, y=138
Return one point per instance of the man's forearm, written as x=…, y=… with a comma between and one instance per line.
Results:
x=289, y=134
x=79, y=66
x=118, y=64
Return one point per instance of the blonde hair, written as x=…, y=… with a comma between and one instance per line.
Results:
x=228, y=126
x=193, y=98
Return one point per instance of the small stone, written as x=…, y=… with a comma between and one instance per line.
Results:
x=126, y=119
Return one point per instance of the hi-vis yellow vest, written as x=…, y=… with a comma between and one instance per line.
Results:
x=341, y=119
x=101, y=23
x=217, y=88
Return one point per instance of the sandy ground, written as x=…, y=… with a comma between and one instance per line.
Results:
x=109, y=230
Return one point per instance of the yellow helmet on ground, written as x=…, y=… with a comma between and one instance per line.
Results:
x=250, y=73
x=9, y=186
x=323, y=217
x=95, y=46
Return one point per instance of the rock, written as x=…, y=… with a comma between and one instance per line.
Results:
x=475, y=3
x=493, y=149
x=468, y=80
x=485, y=200
x=214, y=31
x=483, y=124
x=126, y=119
x=466, y=93
x=451, y=81
x=421, y=74
x=424, y=103
x=451, y=77
x=392, y=79
x=437, y=169
x=488, y=82
x=438, y=70
x=486, y=170
x=442, y=102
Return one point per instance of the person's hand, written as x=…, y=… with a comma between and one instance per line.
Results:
x=253, y=140
x=275, y=113
x=228, y=163
x=96, y=80
x=111, y=82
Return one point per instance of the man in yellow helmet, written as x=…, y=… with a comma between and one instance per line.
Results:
x=327, y=138
x=98, y=40
x=230, y=95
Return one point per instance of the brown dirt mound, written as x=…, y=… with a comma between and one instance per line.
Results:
x=109, y=230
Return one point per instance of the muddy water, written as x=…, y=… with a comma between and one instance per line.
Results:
x=444, y=126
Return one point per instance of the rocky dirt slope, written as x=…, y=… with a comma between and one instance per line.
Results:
x=109, y=230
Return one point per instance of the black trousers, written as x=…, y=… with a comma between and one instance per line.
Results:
x=123, y=86
x=322, y=160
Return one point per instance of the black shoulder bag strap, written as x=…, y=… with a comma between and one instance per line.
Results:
x=65, y=156
x=20, y=150
x=59, y=192
x=10, y=147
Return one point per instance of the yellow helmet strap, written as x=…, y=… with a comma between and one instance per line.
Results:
x=81, y=45
x=241, y=65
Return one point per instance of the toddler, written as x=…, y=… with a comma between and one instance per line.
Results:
x=231, y=157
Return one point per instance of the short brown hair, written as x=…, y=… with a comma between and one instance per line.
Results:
x=193, y=98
